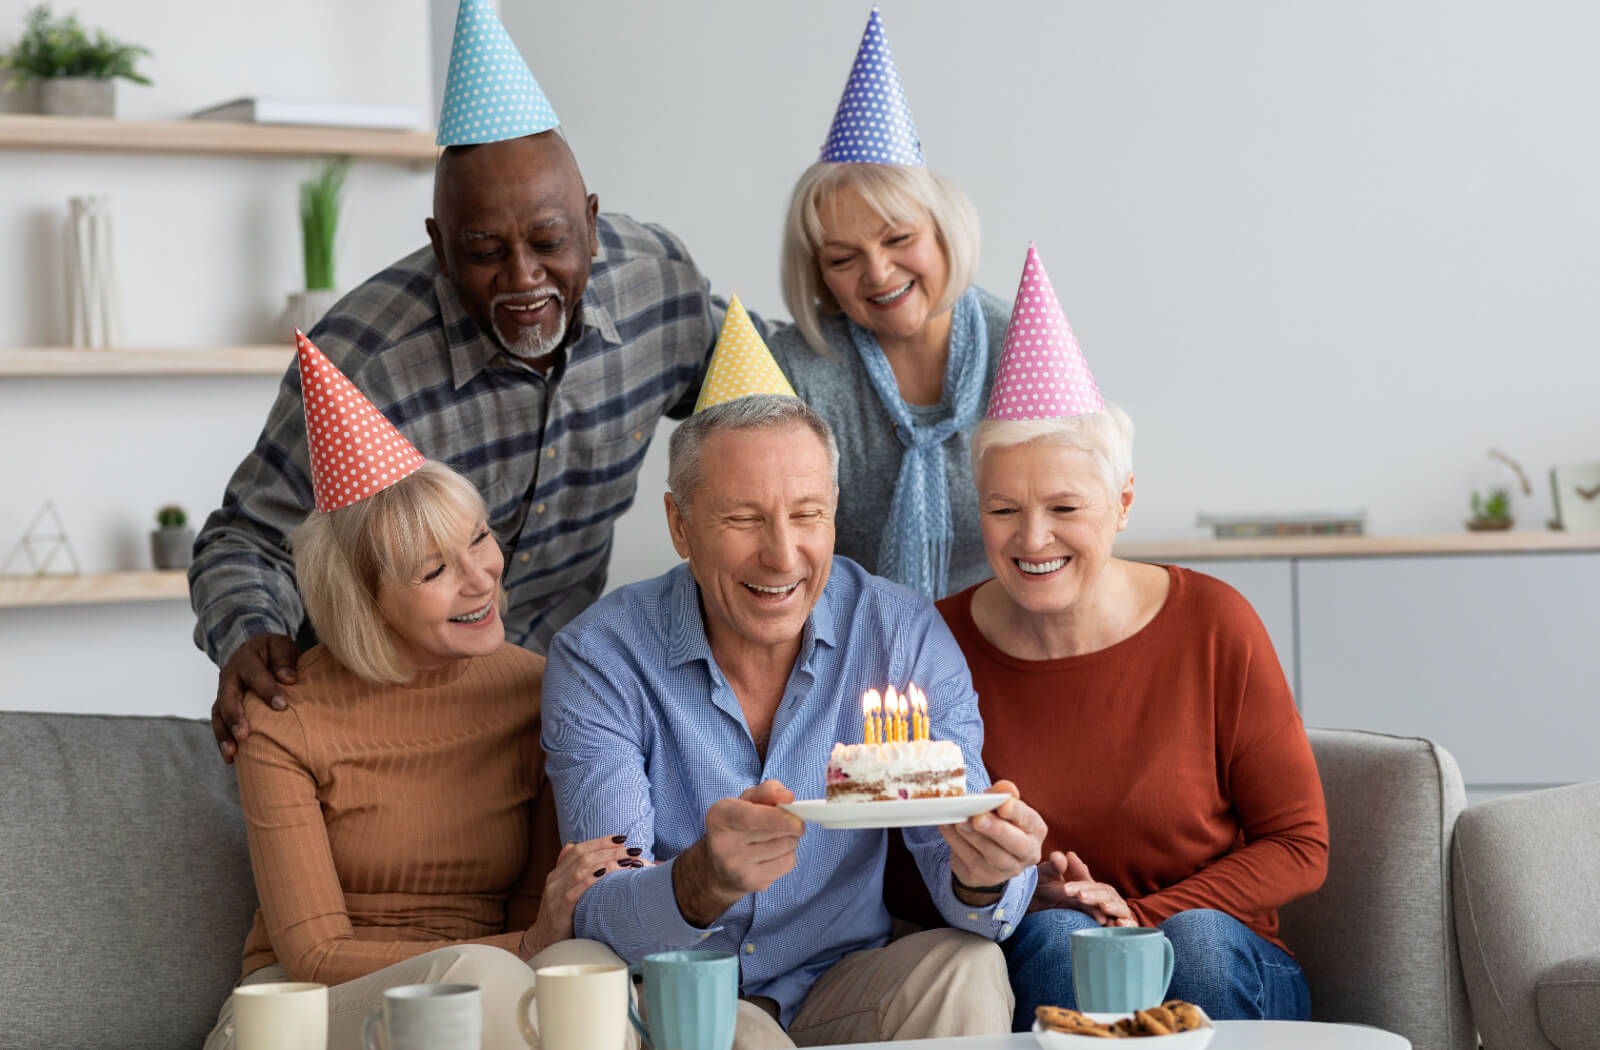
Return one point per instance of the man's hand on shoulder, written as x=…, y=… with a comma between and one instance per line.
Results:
x=749, y=844
x=258, y=666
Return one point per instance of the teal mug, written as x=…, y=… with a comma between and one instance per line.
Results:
x=692, y=999
x=1119, y=969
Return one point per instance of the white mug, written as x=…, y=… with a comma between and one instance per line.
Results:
x=426, y=1017
x=581, y=1007
x=280, y=1015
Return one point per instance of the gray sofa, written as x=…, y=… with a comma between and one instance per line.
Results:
x=1528, y=914
x=125, y=889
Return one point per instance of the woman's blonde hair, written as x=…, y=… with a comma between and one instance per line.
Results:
x=344, y=558
x=897, y=193
x=1106, y=435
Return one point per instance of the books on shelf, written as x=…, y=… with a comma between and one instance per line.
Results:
x=316, y=113
x=1307, y=523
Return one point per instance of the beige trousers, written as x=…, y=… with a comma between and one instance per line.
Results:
x=502, y=976
x=934, y=983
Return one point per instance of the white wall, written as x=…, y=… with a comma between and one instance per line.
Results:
x=206, y=250
x=1327, y=254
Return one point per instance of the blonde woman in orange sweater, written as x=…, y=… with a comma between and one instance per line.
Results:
x=393, y=807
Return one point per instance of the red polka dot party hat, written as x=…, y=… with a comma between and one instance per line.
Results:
x=1042, y=373
x=355, y=451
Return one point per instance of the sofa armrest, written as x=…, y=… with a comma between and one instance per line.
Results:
x=1376, y=941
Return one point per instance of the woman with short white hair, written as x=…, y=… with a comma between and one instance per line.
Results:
x=1142, y=711
x=892, y=343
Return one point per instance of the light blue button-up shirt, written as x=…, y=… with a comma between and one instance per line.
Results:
x=642, y=734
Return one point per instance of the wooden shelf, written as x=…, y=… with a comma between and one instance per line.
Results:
x=1511, y=542
x=94, y=588
x=226, y=138
x=214, y=361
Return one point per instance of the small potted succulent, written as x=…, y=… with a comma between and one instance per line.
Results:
x=321, y=198
x=1491, y=510
x=172, y=545
x=73, y=73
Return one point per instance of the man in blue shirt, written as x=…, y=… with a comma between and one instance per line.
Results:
x=681, y=711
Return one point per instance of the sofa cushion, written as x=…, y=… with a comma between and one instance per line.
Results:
x=1376, y=941
x=1569, y=1002
x=125, y=884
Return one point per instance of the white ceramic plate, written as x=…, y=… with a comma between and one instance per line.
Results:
x=900, y=813
x=1194, y=1039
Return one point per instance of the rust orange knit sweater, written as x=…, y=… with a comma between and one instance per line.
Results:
x=1174, y=762
x=386, y=821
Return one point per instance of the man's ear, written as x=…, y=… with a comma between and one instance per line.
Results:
x=677, y=526
x=594, y=214
x=436, y=239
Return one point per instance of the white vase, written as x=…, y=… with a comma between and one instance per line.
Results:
x=305, y=309
x=94, y=301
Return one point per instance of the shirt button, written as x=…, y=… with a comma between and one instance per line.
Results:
x=972, y=915
x=750, y=949
x=999, y=913
x=703, y=936
x=638, y=435
x=539, y=509
x=550, y=453
x=525, y=556
x=1006, y=932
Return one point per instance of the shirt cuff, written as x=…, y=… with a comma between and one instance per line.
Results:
x=994, y=921
x=655, y=909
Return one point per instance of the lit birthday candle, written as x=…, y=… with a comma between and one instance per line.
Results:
x=919, y=713
x=891, y=715
x=905, y=726
x=871, y=704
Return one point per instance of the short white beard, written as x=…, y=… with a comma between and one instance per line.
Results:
x=532, y=343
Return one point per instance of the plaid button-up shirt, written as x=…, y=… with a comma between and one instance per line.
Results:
x=555, y=457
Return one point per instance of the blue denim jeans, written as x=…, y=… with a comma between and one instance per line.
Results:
x=1220, y=964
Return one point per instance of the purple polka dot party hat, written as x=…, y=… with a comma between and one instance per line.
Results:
x=489, y=92
x=1042, y=372
x=355, y=451
x=873, y=123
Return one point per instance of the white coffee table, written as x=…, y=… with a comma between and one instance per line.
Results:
x=1231, y=1035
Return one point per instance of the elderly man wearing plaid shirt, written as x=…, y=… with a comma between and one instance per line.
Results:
x=682, y=711
x=533, y=347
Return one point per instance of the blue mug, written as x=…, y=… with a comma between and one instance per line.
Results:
x=1119, y=969
x=692, y=999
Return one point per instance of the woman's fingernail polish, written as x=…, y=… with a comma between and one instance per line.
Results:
x=634, y=851
x=619, y=839
x=599, y=872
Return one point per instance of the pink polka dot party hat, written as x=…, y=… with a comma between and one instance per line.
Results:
x=873, y=123
x=355, y=451
x=1042, y=373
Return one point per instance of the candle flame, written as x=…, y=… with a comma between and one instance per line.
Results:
x=871, y=703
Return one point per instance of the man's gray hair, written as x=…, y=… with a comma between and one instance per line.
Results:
x=685, y=470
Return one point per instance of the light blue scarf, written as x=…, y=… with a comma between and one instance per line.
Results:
x=918, y=536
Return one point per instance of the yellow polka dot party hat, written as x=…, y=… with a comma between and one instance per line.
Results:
x=741, y=364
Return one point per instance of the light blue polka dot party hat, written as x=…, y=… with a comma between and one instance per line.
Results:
x=873, y=123
x=489, y=92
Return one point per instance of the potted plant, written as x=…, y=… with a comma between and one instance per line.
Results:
x=320, y=202
x=1491, y=510
x=73, y=72
x=172, y=545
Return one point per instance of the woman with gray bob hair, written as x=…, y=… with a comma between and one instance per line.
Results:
x=896, y=349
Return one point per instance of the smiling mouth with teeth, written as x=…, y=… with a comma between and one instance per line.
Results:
x=1039, y=568
x=894, y=296
x=474, y=617
x=773, y=592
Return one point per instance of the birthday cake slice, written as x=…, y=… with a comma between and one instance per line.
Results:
x=898, y=759
x=896, y=770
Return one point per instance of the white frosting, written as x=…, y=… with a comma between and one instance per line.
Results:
x=900, y=758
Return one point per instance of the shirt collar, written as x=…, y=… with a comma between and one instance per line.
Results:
x=471, y=349
x=686, y=628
